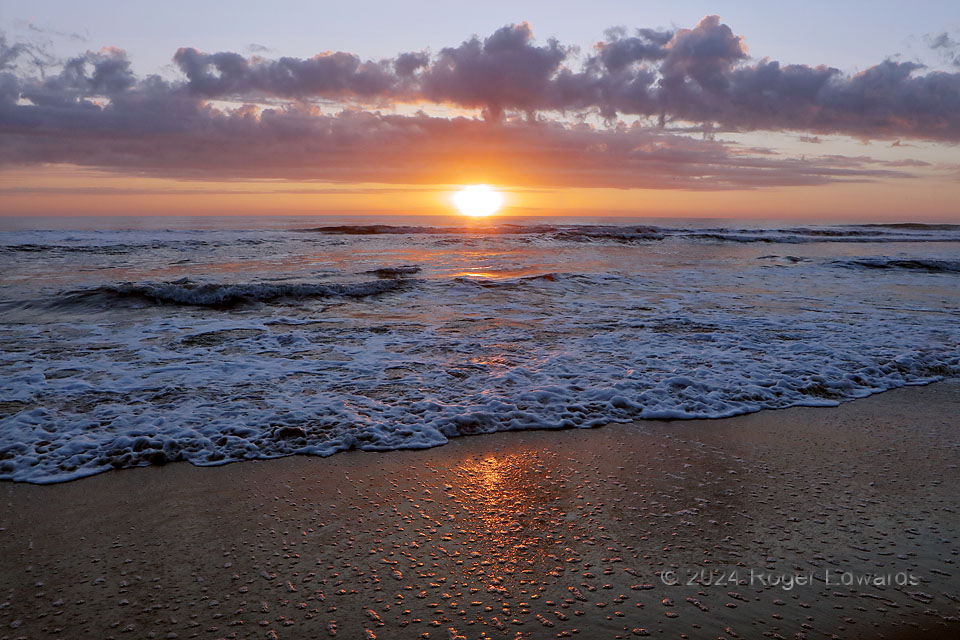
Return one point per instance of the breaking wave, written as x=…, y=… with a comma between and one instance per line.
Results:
x=219, y=295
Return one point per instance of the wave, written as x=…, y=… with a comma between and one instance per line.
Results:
x=916, y=225
x=576, y=233
x=784, y=259
x=388, y=229
x=395, y=272
x=830, y=232
x=374, y=229
x=471, y=355
x=897, y=232
x=808, y=235
x=239, y=397
x=99, y=247
x=906, y=264
x=512, y=283
x=110, y=249
x=219, y=295
x=589, y=233
x=583, y=233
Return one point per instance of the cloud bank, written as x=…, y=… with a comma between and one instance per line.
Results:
x=697, y=75
x=231, y=115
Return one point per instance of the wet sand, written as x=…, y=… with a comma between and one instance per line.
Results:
x=668, y=529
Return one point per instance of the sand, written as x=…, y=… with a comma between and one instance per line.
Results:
x=668, y=529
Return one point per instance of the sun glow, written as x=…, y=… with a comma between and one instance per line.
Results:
x=477, y=200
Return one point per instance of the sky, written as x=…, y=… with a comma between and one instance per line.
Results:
x=821, y=111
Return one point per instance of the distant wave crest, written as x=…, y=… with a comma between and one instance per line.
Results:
x=512, y=283
x=395, y=272
x=906, y=264
x=903, y=232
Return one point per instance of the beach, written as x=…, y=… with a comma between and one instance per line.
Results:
x=520, y=322
x=800, y=522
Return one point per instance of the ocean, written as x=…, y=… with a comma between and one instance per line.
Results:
x=135, y=341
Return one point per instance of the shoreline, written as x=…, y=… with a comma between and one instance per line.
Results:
x=540, y=533
x=639, y=422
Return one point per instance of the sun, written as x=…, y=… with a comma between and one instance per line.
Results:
x=477, y=200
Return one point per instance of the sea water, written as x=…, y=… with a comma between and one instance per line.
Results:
x=134, y=341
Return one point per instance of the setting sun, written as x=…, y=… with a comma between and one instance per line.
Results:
x=477, y=200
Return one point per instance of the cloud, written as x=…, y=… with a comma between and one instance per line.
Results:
x=407, y=63
x=105, y=73
x=12, y=55
x=93, y=110
x=329, y=75
x=189, y=139
x=702, y=55
x=261, y=189
x=506, y=70
x=946, y=46
x=698, y=75
x=620, y=51
x=69, y=35
x=10, y=52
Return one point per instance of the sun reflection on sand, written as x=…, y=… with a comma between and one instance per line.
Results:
x=511, y=507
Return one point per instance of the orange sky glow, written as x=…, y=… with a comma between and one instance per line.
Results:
x=67, y=190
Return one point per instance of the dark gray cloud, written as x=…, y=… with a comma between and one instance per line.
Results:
x=160, y=131
x=15, y=56
x=104, y=74
x=703, y=76
x=408, y=63
x=92, y=110
x=699, y=75
x=504, y=71
x=621, y=50
x=9, y=53
x=702, y=56
x=330, y=75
